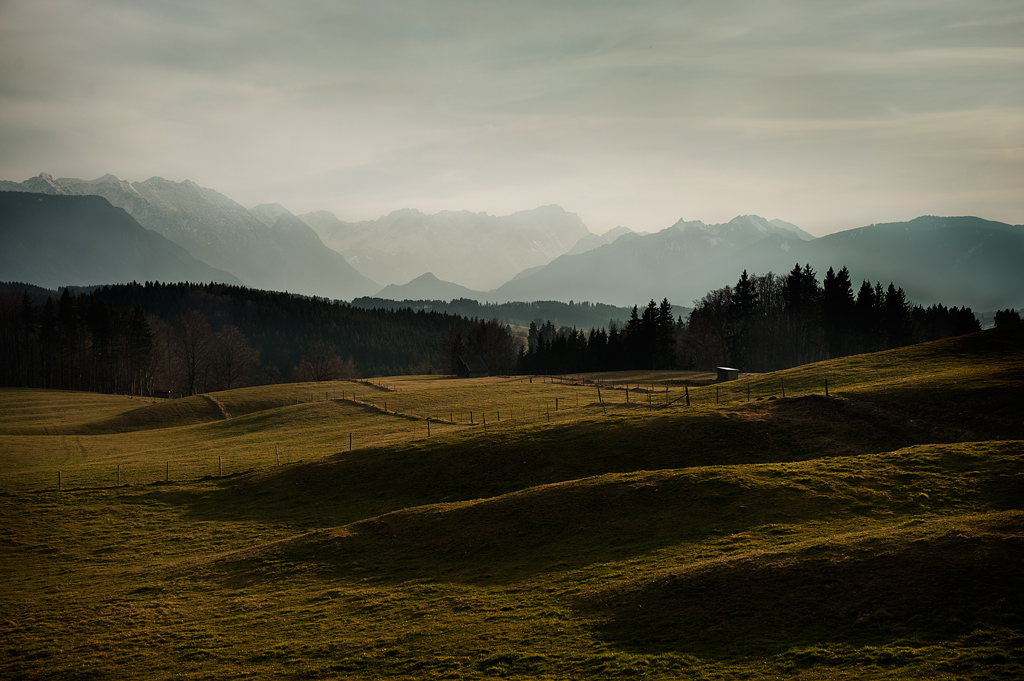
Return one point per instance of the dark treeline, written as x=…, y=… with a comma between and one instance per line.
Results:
x=647, y=341
x=582, y=314
x=74, y=342
x=491, y=340
x=763, y=323
x=770, y=322
x=188, y=338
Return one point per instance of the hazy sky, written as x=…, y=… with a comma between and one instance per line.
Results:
x=826, y=114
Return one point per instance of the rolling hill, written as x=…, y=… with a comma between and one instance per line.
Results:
x=700, y=531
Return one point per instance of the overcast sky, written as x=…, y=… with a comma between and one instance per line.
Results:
x=828, y=114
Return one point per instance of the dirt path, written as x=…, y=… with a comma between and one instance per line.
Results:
x=220, y=405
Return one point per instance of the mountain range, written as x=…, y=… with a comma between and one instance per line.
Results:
x=954, y=261
x=56, y=241
x=266, y=248
x=542, y=254
x=477, y=250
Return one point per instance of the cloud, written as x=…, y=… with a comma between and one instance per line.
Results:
x=819, y=112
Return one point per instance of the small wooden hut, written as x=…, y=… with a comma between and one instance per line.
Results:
x=727, y=374
x=472, y=366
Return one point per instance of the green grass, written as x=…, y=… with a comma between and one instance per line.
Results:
x=875, y=534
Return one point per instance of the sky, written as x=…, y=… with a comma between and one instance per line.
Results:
x=828, y=114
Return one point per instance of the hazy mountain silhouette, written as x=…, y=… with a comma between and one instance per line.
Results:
x=592, y=241
x=55, y=241
x=283, y=254
x=954, y=261
x=475, y=250
x=676, y=262
x=428, y=287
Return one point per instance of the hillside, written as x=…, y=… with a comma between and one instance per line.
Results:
x=664, y=532
x=54, y=241
x=281, y=255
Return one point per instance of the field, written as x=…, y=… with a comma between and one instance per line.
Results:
x=425, y=527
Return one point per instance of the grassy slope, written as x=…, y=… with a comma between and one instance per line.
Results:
x=874, y=534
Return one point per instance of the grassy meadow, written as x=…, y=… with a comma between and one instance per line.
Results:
x=639, y=524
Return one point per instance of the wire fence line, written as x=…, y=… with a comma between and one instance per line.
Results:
x=584, y=399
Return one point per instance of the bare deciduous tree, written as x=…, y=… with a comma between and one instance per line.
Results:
x=234, y=360
x=320, y=363
x=193, y=342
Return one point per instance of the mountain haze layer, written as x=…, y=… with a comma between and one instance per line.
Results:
x=281, y=254
x=475, y=250
x=954, y=261
x=429, y=287
x=56, y=241
x=676, y=262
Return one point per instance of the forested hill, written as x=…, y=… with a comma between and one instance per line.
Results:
x=583, y=315
x=282, y=327
x=90, y=340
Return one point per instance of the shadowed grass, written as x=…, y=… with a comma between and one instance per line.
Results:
x=874, y=534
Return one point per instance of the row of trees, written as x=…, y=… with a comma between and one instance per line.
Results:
x=647, y=341
x=773, y=321
x=74, y=343
x=762, y=323
x=189, y=338
x=490, y=339
x=80, y=342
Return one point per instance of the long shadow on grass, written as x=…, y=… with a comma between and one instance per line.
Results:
x=366, y=483
x=617, y=517
x=901, y=588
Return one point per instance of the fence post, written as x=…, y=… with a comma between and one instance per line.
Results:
x=716, y=394
x=687, y=389
x=277, y=453
x=627, y=394
x=350, y=441
x=556, y=404
x=826, y=387
x=428, y=426
x=118, y=475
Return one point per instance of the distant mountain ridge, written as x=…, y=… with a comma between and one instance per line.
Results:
x=592, y=241
x=283, y=254
x=958, y=260
x=542, y=254
x=675, y=262
x=428, y=287
x=54, y=241
x=476, y=250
